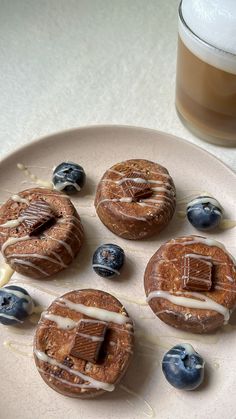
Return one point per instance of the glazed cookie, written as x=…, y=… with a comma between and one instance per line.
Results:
x=84, y=343
x=190, y=284
x=40, y=232
x=135, y=199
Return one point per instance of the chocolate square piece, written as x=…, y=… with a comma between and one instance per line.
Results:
x=37, y=217
x=135, y=187
x=88, y=340
x=196, y=274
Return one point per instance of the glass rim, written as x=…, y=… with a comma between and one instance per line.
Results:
x=198, y=37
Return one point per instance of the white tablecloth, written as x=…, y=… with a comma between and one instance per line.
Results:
x=69, y=63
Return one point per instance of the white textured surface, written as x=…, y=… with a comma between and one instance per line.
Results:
x=78, y=62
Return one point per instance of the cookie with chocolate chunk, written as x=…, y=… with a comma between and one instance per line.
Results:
x=135, y=199
x=190, y=284
x=84, y=343
x=40, y=232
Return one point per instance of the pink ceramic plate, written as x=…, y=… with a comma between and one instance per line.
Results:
x=23, y=393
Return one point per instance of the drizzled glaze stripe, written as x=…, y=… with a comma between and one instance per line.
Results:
x=41, y=356
x=29, y=264
x=199, y=301
x=36, y=256
x=66, y=322
x=62, y=185
x=8, y=316
x=61, y=380
x=167, y=188
x=95, y=312
x=18, y=198
x=62, y=322
x=159, y=173
x=202, y=240
x=63, y=243
x=13, y=240
x=106, y=268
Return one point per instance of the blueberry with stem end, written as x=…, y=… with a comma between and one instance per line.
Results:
x=183, y=367
x=15, y=305
x=204, y=213
x=68, y=177
x=108, y=259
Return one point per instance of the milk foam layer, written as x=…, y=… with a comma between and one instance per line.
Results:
x=213, y=21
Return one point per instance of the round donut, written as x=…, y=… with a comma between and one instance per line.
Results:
x=64, y=365
x=190, y=284
x=39, y=252
x=135, y=199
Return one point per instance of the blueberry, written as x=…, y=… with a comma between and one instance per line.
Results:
x=183, y=367
x=15, y=305
x=204, y=213
x=68, y=177
x=108, y=260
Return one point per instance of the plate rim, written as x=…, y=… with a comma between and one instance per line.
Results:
x=44, y=138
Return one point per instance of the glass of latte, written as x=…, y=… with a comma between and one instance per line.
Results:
x=206, y=69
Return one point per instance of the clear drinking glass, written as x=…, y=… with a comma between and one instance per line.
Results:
x=205, y=87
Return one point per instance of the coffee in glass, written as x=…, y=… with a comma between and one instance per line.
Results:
x=206, y=69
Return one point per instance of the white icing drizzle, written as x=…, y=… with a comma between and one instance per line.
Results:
x=60, y=186
x=207, y=258
x=58, y=257
x=107, y=268
x=18, y=198
x=71, y=233
x=8, y=316
x=95, y=312
x=125, y=199
x=18, y=294
x=159, y=199
x=38, y=181
x=136, y=180
x=219, y=287
x=162, y=197
x=63, y=243
x=189, y=349
x=172, y=356
x=36, y=256
x=203, y=240
x=12, y=223
x=154, y=172
x=30, y=264
x=93, y=383
x=150, y=412
x=204, y=200
x=76, y=222
x=131, y=300
x=93, y=338
x=66, y=322
x=64, y=381
x=62, y=322
x=17, y=258
x=227, y=224
x=133, y=216
x=162, y=189
x=11, y=344
x=199, y=301
x=13, y=240
x=230, y=279
x=6, y=273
